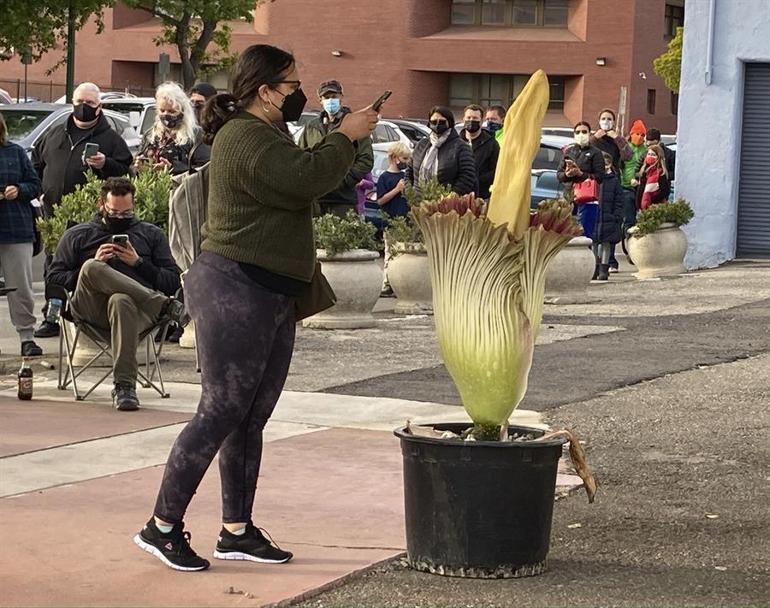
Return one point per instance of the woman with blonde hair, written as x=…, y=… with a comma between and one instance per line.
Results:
x=654, y=183
x=174, y=140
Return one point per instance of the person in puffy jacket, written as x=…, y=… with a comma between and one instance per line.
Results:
x=444, y=156
x=583, y=162
x=608, y=224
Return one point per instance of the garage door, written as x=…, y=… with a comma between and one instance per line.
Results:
x=754, y=191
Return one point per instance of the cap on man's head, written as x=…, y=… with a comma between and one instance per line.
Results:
x=330, y=86
x=203, y=88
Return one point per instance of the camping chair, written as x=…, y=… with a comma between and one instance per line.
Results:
x=68, y=344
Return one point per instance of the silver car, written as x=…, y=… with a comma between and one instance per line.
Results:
x=28, y=122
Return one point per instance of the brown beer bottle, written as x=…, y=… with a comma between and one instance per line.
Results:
x=25, y=381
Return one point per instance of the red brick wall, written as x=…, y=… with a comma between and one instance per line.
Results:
x=409, y=47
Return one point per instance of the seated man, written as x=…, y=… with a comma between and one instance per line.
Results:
x=122, y=289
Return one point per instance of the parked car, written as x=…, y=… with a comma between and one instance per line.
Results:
x=105, y=95
x=560, y=131
x=415, y=131
x=140, y=111
x=28, y=122
x=545, y=186
x=5, y=97
x=387, y=133
x=551, y=152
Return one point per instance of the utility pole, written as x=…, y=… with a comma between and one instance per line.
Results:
x=70, y=52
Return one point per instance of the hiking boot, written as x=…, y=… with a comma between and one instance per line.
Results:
x=47, y=330
x=175, y=310
x=124, y=398
x=596, y=273
x=173, y=549
x=251, y=546
x=30, y=349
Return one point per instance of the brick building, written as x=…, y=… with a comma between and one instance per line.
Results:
x=427, y=51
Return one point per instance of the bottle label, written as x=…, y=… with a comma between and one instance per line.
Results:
x=25, y=386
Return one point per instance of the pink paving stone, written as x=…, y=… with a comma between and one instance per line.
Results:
x=26, y=426
x=332, y=497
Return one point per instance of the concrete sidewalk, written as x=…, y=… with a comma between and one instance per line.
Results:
x=85, y=476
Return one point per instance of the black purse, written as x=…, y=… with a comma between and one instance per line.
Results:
x=318, y=296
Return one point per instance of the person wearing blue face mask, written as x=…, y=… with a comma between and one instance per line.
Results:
x=343, y=198
x=493, y=122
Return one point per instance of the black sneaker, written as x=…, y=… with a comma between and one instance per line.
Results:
x=30, y=349
x=47, y=330
x=124, y=398
x=173, y=549
x=251, y=546
x=175, y=310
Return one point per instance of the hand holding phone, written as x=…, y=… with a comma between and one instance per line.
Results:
x=90, y=150
x=381, y=100
x=121, y=240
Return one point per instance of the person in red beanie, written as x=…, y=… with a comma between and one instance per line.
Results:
x=628, y=180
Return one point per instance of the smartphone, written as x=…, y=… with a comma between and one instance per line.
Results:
x=120, y=239
x=381, y=100
x=90, y=150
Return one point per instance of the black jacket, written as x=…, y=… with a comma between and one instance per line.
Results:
x=456, y=166
x=589, y=160
x=486, y=151
x=157, y=271
x=58, y=159
x=608, y=225
x=178, y=155
x=314, y=133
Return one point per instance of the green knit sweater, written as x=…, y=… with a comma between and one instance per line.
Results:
x=261, y=191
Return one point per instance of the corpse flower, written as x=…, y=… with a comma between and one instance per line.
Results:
x=488, y=271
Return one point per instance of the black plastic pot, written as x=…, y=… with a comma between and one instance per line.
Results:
x=478, y=509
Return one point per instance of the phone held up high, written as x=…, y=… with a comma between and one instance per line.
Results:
x=381, y=100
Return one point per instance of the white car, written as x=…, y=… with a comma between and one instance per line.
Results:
x=104, y=96
x=140, y=111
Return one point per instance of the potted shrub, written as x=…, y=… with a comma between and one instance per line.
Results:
x=658, y=245
x=150, y=205
x=349, y=258
x=479, y=497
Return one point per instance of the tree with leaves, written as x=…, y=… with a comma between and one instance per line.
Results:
x=193, y=26
x=669, y=65
x=40, y=26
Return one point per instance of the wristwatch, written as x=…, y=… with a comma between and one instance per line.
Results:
x=139, y=262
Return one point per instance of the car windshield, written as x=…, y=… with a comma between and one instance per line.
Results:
x=22, y=122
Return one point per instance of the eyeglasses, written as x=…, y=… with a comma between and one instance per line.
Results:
x=581, y=132
x=119, y=214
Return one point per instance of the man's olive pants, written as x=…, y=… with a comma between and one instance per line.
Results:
x=115, y=303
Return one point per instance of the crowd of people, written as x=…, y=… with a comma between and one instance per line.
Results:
x=257, y=258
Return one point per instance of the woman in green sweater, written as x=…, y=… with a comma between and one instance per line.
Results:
x=258, y=256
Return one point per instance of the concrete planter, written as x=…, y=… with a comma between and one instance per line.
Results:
x=659, y=254
x=409, y=276
x=356, y=278
x=569, y=273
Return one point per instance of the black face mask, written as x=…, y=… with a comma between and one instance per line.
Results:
x=473, y=126
x=439, y=128
x=84, y=113
x=117, y=225
x=401, y=165
x=292, y=107
x=171, y=121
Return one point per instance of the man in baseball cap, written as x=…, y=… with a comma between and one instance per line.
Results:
x=342, y=199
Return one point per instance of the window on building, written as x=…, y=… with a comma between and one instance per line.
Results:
x=496, y=89
x=651, y=100
x=674, y=19
x=674, y=103
x=517, y=13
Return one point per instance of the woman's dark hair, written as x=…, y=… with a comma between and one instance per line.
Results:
x=257, y=65
x=582, y=123
x=445, y=112
x=3, y=130
x=608, y=111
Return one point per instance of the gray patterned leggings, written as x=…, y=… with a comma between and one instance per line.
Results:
x=245, y=337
